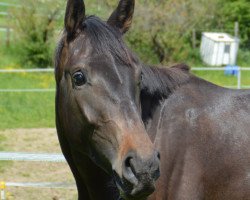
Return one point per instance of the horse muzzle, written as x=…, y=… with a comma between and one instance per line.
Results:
x=138, y=177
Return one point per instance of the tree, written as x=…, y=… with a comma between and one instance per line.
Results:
x=231, y=11
x=166, y=27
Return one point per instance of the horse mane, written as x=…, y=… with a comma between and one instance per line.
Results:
x=158, y=84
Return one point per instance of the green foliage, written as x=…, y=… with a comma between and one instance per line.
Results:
x=10, y=57
x=3, y=164
x=243, y=58
x=161, y=30
x=35, y=24
x=231, y=11
x=142, y=46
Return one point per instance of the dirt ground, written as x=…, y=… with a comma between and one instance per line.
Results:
x=35, y=141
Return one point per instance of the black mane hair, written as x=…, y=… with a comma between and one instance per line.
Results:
x=158, y=83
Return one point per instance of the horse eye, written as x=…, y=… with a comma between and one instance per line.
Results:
x=79, y=79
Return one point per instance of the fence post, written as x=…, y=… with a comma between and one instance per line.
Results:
x=2, y=188
x=239, y=78
x=236, y=29
x=194, y=38
x=7, y=36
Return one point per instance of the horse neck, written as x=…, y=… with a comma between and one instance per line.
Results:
x=157, y=84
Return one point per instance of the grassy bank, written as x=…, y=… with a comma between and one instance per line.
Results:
x=27, y=109
x=218, y=77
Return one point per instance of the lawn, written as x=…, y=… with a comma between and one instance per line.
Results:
x=27, y=109
x=218, y=77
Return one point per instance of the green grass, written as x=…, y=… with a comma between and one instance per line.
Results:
x=2, y=139
x=219, y=78
x=27, y=80
x=27, y=109
x=3, y=164
x=10, y=59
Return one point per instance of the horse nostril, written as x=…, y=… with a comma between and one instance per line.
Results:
x=156, y=174
x=127, y=162
x=129, y=170
x=159, y=155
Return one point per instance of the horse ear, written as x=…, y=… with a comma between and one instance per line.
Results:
x=74, y=16
x=122, y=16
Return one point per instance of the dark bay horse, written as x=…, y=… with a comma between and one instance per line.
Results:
x=117, y=118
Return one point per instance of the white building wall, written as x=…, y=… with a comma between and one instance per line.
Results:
x=213, y=49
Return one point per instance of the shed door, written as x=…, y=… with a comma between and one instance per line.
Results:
x=226, y=57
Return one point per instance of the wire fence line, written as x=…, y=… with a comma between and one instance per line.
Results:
x=29, y=90
x=50, y=70
x=4, y=13
x=26, y=90
x=38, y=70
x=55, y=185
x=8, y=4
x=36, y=157
x=238, y=71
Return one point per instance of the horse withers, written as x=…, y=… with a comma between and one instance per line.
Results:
x=116, y=117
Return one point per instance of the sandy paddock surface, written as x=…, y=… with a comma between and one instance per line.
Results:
x=35, y=141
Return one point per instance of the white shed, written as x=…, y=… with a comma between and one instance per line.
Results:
x=219, y=49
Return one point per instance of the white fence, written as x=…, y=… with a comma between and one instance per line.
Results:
x=36, y=157
x=239, y=74
x=239, y=85
x=6, y=71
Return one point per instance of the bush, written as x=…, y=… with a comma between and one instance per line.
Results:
x=35, y=24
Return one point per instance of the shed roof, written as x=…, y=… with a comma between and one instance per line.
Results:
x=220, y=37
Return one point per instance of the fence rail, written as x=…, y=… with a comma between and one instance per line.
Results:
x=35, y=157
x=8, y=4
x=50, y=70
x=237, y=69
x=26, y=70
x=38, y=157
x=54, y=185
x=4, y=13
